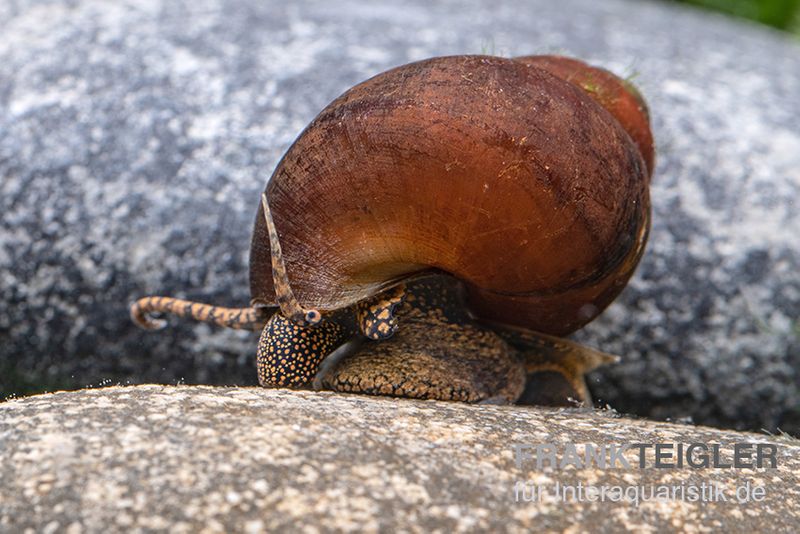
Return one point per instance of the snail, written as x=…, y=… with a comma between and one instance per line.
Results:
x=438, y=229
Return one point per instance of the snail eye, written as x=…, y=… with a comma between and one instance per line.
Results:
x=313, y=317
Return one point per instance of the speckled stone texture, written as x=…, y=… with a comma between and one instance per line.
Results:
x=135, y=138
x=201, y=459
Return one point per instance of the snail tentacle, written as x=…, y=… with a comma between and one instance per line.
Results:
x=236, y=318
x=289, y=305
x=376, y=316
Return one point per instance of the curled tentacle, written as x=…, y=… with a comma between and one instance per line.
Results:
x=290, y=307
x=237, y=318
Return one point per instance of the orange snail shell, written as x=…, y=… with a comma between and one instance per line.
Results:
x=498, y=171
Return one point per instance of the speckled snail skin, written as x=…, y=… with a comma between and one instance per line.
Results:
x=456, y=215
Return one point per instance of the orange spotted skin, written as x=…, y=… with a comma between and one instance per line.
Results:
x=376, y=317
x=237, y=318
x=289, y=355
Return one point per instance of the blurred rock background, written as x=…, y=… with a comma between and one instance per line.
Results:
x=135, y=138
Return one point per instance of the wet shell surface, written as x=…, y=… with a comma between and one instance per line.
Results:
x=512, y=179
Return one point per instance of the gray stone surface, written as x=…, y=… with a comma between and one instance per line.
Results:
x=191, y=459
x=135, y=137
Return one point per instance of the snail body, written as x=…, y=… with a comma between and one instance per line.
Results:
x=526, y=188
x=440, y=352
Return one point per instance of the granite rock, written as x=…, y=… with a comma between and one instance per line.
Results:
x=201, y=459
x=136, y=136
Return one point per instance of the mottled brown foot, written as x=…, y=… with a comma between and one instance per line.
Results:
x=433, y=357
x=493, y=375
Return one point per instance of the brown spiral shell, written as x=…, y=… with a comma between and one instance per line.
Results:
x=501, y=172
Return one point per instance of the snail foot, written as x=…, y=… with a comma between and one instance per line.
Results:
x=430, y=358
x=333, y=359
